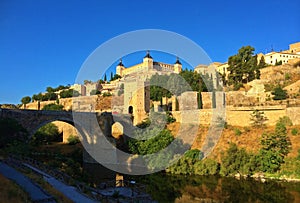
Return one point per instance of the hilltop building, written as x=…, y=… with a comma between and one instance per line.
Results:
x=150, y=66
x=272, y=58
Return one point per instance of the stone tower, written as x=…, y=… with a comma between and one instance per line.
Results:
x=148, y=62
x=177, y=66
x=136, y=98
x=120, y=68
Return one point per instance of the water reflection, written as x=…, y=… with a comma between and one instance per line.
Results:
x=166, y=188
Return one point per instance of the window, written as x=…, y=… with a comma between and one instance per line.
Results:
x=270, y=56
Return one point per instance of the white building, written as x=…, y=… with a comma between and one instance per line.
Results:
x=275, y=57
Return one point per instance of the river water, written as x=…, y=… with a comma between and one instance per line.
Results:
x=168, y=188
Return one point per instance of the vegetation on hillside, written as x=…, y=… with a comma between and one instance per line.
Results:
x=243, y=67
x=53, y=107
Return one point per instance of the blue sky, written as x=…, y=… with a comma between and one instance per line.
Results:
x=45, y=42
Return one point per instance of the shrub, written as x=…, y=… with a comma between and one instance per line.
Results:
x=53, y=107
x=170, y=118
x=107, y=94
x=45, y=134
x=72, y=140
x=258, y=118
x=285, y=120
x=295, y=131
x=279, y=93
x=237, y=132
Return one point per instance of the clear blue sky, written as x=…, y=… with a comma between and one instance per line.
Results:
x=44, y=42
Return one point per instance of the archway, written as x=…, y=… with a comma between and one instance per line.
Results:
x=130, y=110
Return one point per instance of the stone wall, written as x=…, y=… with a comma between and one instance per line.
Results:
x=241, y=116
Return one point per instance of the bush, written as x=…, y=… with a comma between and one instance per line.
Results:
x=45, y=134
x=170, y=118
x=53, y=107
x=72, y=140
x=279, y=93
x=107, y=94
x=295, y=131
x=237, y=132
x=285, y=120
x=258, y=118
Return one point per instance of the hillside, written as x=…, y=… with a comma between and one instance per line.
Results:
x=248, y=139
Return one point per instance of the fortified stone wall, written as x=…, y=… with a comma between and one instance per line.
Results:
x=241, y=117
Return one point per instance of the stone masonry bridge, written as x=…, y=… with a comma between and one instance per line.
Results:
x=32, y=120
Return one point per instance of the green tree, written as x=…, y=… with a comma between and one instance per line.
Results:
x=243, y=66
x=105, y=78
x=53, y=107
x=37, y=97
x=45, y=134
x=237, y=161
x=25, y=100
x=115, y=77
x=50, y=89
x=258, y=118
x=279, y=93
x=275, y=146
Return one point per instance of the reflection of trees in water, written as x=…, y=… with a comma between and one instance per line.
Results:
x=165, y=188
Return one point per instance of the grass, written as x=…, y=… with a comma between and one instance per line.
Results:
x=59, y=197
x=11, y=192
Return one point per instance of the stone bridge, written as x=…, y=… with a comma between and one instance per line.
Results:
x=32, y=120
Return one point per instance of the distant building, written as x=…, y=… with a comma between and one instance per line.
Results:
x=150, y=66
x=275, y=57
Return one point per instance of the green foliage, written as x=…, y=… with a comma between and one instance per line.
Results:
x=159, y=139
x=243, y=66
x=279, y=93
x=106, y=94
x=60, y=87
x=166, y=85
x=278, y=63
x=170, y=118
x=157, y=84
x=295, y=131
x=11, y=132
x=237, y=86
x=94, y=92
x=25, y=100
x=298, y=156
x=285, y=120
x=237, y=132
x=45, y=134
x=237, y=161
x=115, y=77
x=185, y=165
x=72, y=140
x=258, y=118
x=275, y=146
x=262, y=63
x=53, y=107
x=206, y=167
x=69, y=93
x=287, y=76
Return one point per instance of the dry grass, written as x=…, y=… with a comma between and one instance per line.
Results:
x=248, y=139
x=11, y=192
x=60, y=197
